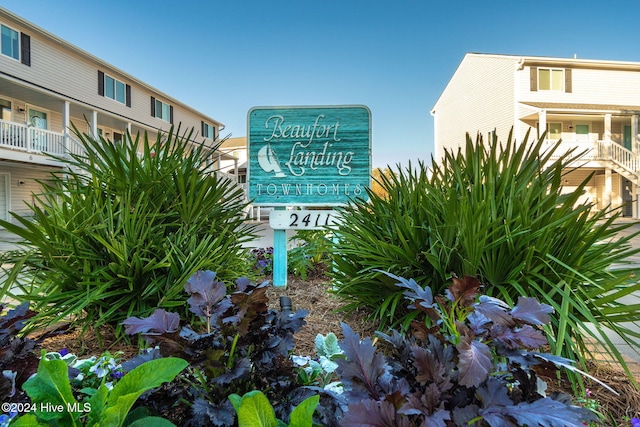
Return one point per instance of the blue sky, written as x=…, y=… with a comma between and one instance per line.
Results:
x=394, y=56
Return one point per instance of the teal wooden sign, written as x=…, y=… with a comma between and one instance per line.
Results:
x=308, y=155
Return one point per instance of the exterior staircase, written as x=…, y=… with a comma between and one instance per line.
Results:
x=620, y=159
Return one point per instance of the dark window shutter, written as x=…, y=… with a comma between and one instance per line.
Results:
x=128, y=95
x=100, y=83
x=202, y=129
x=25, y=49
x=534, y=79
x=567, y=80
x=171, y=114
x=153, y=107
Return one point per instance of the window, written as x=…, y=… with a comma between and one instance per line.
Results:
x=5, y=109
x=208, y=131
x=110, y=87
x=554, y=131
x=551, y=79
x=161, y=110
x=37, y=119
x=15, y=45
x=10, y=43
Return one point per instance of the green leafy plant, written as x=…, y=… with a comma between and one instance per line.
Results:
x=592, y=404
x=54, y=404
x=263, y=259
x=313, y=252
x=320, y=370
x=254, y=410
x=496, y=211
x=119, y=231
x=87, y=375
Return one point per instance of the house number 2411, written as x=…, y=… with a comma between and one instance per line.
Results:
x=302, y=219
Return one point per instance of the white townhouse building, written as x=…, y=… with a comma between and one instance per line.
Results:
x=47, y=84
x=593, y=105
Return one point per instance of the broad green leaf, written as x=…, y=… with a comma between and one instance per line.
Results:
x=254, y=410
x=152, y=422
x=116, y=413
x=98, y=404
x=147, y=376
x=50, y=386
x=27, y=420
x=302, y=415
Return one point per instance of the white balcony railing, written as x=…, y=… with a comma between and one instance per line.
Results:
x=586, y=150
x=21, y=137
x=600, y=150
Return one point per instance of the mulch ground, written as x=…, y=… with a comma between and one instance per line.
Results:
x=312, y=295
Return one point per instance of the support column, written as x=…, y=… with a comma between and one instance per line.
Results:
x=634, y=134
x=635, y=146
x=606, y=195
x=94, y=124
x=636, y=201
x=542, y=120
x=66, y=124
x=128, y=132
x=607, y=127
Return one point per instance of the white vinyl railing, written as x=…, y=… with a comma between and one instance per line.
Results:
x=625, y=158
x=600, y=150
x=586, y=150
x=21, y=137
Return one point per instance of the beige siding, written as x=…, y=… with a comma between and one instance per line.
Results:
x=614, y=87
x=23, y=185
x=74, y=75
x=589, y=86
x=478, y=99
x=591, y=192
x=5, y=193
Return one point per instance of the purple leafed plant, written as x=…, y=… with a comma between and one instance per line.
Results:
x=18, y=359
x=244, y=346
x=469, y=362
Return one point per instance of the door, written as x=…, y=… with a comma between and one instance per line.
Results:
x=582, y=132
x=38, y=121
x=627, y=198
x=626, y=138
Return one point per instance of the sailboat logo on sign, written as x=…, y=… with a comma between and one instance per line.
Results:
x=268, y=161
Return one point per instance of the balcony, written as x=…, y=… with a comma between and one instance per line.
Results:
x=600, y=150
x=21, y=137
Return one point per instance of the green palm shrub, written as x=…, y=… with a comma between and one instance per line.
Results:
x=122, y=228
x=496, y=212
